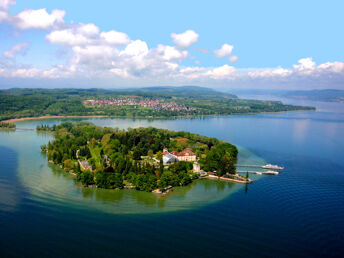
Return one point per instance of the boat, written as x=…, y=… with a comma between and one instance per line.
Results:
x=270, y=166
x=271, y=172
x=259, y=173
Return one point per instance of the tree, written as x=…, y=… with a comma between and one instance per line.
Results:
x=68, y=164
x=150, y=153
x=161, y=167
x=168, y=178
x=102, y=180
x=86, y=178
x=136, y=154
x=115, y=181
x=185, y=179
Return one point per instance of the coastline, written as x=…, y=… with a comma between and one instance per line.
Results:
x=14, y=120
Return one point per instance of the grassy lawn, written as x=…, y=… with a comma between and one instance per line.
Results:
x=95, y=152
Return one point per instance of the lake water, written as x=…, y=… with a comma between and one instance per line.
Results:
x=43, y=212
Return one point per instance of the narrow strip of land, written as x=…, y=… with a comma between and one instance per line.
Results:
x=14, y=120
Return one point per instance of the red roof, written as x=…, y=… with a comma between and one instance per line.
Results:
x=186, y=152
x=182, y=139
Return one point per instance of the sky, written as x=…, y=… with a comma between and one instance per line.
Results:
x=216, y=44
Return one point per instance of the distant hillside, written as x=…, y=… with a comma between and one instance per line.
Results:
x=144, y=102
x=328, y=95
x=181, y=91
x=158, y=91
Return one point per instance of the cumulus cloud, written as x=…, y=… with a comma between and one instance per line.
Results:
x=5, y=4
x=221, y=72
x=185, y=39
x=26, y=73
x=38, y=19
x=80, y=34
x=306, y=69
x=115, y=38
x=31, y=19
x=305, y=66
x=274, y=72
x=224, y=51
x=169, y=53
x=18, y=48
x=4, y=8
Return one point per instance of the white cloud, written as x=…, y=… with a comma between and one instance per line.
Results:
x=115, y=38
x=233, y=59
x=268, y=73
x=4, y=8
x=185, y=39
x=224, y=51
x=305, y=66
x=38, y=19
x=221, y=72
x=5, y=4
x=136, y=48
x=75, y=35
x=18, y=48
x=94, y=57
x=26, y=73
x=169, y=53
x=335, y=67
x=306, y=69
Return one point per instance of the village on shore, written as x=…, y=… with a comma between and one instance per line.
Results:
x=155, y=104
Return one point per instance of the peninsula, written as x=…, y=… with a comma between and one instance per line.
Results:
x=146, y=159
x=164, y=102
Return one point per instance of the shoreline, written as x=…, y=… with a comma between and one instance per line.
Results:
x=14, y=120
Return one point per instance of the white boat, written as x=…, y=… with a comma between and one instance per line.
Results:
x=271, y=172
x=270, y=166
x=259, y=173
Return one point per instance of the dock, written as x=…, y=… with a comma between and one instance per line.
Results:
x=270, y=172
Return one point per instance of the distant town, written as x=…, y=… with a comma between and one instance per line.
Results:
x=156, y=104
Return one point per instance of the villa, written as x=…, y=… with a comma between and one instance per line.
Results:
x=173, y=156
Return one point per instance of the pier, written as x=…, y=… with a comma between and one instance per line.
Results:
x=267, y=166
x=260, y=172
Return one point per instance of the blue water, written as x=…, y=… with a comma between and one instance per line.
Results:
x=297, y=213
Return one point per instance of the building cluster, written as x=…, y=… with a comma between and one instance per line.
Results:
x=174, y=156
x=155, y=104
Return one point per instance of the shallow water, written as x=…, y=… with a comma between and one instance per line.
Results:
x=297, y=213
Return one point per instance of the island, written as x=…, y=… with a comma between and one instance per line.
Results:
x=145, y=159
x=154, y=102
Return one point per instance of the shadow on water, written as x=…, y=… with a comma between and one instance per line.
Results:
x=195, y=192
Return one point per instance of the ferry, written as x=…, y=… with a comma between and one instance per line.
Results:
x=270, y=166
x=271, y=172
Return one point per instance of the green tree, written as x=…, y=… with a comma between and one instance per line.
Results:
x=86, y=178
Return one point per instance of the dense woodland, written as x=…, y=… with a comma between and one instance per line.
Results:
x=112, y=158
x=18, y=103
